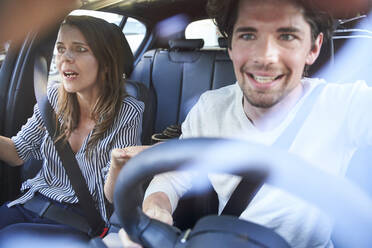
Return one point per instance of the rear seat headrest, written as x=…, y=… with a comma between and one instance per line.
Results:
x=222, y=42
x=186, y=44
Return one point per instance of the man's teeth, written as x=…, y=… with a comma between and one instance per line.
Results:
x=264, y=80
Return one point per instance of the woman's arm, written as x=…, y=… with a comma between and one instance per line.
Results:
x=118, y=159
x=128, y=135
x=8, y=152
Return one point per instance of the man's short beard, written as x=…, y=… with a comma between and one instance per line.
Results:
x=261, y=103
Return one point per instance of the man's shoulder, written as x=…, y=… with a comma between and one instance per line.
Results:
x=341, y=94
x=206, y=117
x=315, y=81
x=338, y=88
x=221, y=94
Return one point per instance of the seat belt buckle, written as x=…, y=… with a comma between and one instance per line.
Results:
x=43, y=210
x=38, y=206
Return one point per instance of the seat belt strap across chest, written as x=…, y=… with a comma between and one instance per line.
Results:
x=64, y=150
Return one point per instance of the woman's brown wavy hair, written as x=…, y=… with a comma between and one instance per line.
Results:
x=106, y=42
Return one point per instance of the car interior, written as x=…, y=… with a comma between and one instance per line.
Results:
x=169, y=73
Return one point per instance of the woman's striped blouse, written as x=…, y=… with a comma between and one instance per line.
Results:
x=52, y=181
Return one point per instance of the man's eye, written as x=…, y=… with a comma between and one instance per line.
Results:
x=248, y=36
x=287, y=37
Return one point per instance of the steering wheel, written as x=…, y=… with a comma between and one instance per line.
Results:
x=347, y=204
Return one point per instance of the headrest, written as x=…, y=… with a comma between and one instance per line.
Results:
x=186, y=44
x=222, y=42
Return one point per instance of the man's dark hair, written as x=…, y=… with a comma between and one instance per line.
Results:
x=225, y=13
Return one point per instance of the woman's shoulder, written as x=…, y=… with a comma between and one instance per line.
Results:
x=52, y=93
x=131, y=104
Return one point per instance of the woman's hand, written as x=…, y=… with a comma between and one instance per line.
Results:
x=119, y=157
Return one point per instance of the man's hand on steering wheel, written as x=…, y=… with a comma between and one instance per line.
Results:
x=156, y=206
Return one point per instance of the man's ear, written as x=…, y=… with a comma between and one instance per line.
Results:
x=315, y=50
x=229, y=51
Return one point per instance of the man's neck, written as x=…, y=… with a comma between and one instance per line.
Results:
x=266, y=119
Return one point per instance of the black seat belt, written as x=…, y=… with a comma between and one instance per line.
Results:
x=246, y=189
x=241, y=197
x=69, y=162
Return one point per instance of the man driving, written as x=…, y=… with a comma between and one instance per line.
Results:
x=271, y=43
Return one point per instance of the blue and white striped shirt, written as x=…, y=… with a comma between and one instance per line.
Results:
x=34, y=141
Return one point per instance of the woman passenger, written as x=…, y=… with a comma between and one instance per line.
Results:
x=95, y=115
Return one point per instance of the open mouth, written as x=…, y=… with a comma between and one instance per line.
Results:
x=265, y=79
x=70, y=74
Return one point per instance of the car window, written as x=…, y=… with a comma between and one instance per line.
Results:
x=135, y=32
x=110, y=17
x=203, y=29
x=351, y=45
x=3, y=52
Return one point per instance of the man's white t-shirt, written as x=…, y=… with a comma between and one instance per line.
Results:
x=338, y=123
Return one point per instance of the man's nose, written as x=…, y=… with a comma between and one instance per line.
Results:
x=267, y=52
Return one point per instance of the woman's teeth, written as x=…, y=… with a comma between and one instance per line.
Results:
x=70, y=74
